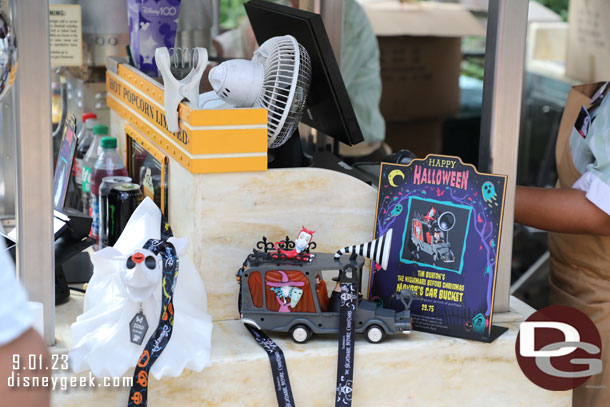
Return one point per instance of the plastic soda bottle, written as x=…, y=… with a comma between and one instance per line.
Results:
x=108, y=164
x=94, y=151
x=84, y=137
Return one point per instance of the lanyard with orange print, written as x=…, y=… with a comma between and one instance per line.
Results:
x=138, y=395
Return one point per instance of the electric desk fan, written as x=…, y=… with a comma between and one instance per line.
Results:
x=277, y=79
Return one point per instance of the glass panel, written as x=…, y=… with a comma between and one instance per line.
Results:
x=149, y=173
x=256, y=288
x=322, y=293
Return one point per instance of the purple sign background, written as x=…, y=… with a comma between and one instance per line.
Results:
x=455, y=296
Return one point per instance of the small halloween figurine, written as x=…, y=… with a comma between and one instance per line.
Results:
x=148, y=184
x=123, y=304
x=300, y=245
x=286, y=291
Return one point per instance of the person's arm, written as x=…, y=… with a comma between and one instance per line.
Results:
x=560, y=210
x=15, y=393
x=18, y=343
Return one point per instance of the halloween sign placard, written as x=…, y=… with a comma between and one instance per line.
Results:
x=447, y=221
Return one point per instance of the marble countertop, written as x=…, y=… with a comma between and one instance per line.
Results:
x=418, y=369
x=231, y=340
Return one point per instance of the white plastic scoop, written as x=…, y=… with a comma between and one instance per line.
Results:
x=177, y=90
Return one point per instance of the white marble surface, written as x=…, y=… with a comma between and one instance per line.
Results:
x=405, y=370
x=224, y=215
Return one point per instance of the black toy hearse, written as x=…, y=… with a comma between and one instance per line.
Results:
x=290, y=295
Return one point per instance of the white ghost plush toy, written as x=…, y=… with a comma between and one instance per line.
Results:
x=127, y=281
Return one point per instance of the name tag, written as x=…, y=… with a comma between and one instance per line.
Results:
x=583, y=122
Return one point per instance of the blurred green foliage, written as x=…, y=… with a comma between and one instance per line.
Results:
x=230, y=13
x=473, y=67
x=558, y=6
x=473, y=61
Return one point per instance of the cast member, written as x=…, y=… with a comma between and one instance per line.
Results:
x=577, y=213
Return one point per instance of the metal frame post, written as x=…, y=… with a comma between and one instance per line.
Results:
x=500, y=117
x=8, y=165
x=34, y=209
x=332, y=16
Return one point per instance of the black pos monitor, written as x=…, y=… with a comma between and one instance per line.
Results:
x=328, y=108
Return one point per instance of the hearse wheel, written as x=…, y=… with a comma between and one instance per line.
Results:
x=300, y=333
x=375, y=334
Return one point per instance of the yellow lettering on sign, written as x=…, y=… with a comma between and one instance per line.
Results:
x=146, y=107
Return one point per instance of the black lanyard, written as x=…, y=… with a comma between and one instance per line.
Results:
x=345, y=365
x=138, y=395
x=283, y=391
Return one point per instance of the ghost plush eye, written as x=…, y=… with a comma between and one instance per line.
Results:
x=130, y=263
x=151, y=262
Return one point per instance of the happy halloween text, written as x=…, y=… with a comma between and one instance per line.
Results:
x=436, y=176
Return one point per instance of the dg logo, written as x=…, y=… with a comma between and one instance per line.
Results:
x=559, y=348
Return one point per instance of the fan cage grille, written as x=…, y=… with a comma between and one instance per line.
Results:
x=285, y=86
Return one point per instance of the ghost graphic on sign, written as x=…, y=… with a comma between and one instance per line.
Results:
x=489, y=193
x=396, y=210
x=479, y=323
x=122, y=306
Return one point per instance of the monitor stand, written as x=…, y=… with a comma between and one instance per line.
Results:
x=289, y=155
